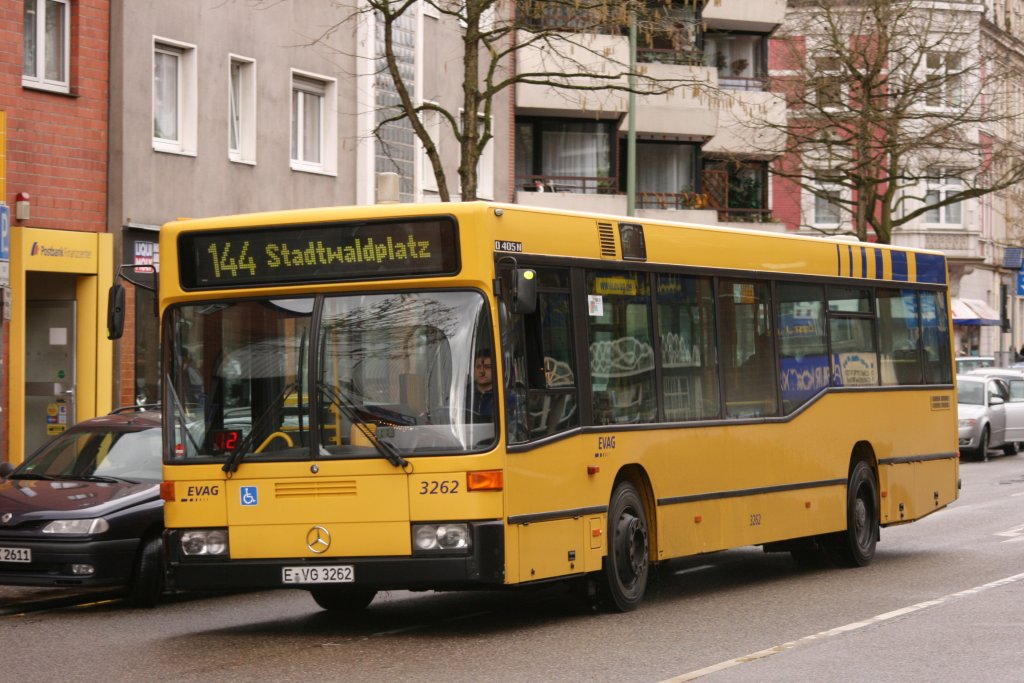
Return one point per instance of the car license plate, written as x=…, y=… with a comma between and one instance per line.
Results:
x=15, y=554
x=336, y=573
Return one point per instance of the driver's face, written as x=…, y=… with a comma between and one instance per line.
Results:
x=482, y=370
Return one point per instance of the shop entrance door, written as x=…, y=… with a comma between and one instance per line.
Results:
x=50, y=377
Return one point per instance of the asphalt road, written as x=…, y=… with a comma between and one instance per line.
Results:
x=943, y=600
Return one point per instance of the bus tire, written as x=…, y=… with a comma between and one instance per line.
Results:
x=627, y=564
x=855, y=547
x=344, y=599
x=147, y=584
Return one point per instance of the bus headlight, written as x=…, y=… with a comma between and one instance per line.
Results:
x=205, y=542
x=441, y=538
x=82, y=527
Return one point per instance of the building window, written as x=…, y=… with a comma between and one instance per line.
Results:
x=828, y=82
x=242, y=114
x=943, y=80
x=395, y=146
x=737, y=189
x=314, y=126
x=940, y=186
x=827, y=199
x=175, y=114
x=739, y=58
x=47, y=45
x=566, y=155
x=664, y=175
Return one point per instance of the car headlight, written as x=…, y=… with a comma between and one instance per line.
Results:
x=968, y=422
x=205, y=542
x=96, y=525
x=441, y=538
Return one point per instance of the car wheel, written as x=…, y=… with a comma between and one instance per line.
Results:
x=344, y=599
x=983, y=445
x=1011, y=448
x=628, y=561
x=148, y=580
x=855, y=547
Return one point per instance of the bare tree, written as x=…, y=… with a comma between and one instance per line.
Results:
x=897, y=109
x=509, y=42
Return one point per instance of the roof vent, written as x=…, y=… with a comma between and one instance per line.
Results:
x=606, y=235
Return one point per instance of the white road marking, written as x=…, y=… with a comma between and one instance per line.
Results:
x=1014, y=534
x=691, y=570
x=840, y=630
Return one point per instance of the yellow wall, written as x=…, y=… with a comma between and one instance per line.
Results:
x=90, y=256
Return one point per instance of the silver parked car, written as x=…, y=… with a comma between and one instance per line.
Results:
x=990, y=414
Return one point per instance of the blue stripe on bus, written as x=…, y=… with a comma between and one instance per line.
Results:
x=849, y=256
x=863, y=262
x=899, y=266
x=931, y=268
x=879, y=270
x=839, y=261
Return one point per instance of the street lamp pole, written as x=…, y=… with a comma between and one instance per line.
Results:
x=631, y=134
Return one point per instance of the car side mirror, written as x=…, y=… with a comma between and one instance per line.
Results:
x=5, y=469
x=996, y=400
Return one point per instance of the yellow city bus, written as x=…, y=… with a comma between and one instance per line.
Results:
x=658, y=390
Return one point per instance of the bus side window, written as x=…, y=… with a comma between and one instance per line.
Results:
x=748, y=356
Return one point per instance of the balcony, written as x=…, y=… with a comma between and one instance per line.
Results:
x=763, y=16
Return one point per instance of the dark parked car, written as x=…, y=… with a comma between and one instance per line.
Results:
x=85, y=511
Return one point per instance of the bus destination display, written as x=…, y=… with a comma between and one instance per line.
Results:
x=317, y=253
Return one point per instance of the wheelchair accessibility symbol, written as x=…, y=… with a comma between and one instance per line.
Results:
x=249, y=496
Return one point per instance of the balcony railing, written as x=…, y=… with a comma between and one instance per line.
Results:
x=659, y=55
x=567, y=183
x=672, y=200
x=745, y=216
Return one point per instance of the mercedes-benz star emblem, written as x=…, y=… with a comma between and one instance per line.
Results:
x=6, y=518
x=318, y=539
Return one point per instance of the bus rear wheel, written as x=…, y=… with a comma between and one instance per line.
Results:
x=855, y=547
x=344, y=599
x=627, y=564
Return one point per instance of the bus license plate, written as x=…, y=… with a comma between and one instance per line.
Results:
x=15, y=554
x=338, y=573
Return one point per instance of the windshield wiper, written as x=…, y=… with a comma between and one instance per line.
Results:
x=103, y=479
x=236, y=455
x=348, y=408
x=32, y=475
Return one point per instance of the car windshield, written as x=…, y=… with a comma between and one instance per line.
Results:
x=970, y=393
x=369, y=375
x=97, y=453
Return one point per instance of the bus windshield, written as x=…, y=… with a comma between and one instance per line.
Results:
x=341, y=376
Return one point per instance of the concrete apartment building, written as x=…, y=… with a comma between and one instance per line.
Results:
x=697, y=161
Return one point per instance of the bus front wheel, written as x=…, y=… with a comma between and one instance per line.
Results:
x=855, y=547
x=628, y=561
x=344, y=599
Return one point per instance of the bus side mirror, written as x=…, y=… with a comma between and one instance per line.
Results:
x=115, y=311
x=524, y=292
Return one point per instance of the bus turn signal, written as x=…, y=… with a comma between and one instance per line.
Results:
x=485, y=480
x=167, y=490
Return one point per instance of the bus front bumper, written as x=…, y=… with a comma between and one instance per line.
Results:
x=482, y=567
